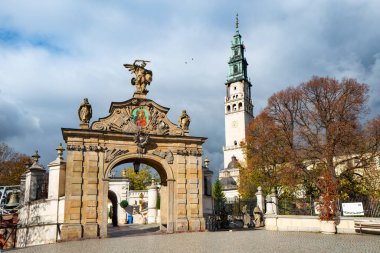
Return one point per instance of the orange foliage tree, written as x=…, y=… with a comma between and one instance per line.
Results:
x=309, y=134
x=12, y=165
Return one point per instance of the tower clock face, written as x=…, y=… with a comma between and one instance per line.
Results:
x=234, y=124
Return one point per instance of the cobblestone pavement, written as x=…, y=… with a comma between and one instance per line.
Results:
x=235, y=242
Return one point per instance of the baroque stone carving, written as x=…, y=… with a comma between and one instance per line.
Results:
x=85, y=148
x=85, y=112
x=168, y=155
x=138, y=115
x=189, y=152
x=184, y=120
x=75, y=148
x=143, y=77
x=141, y=141
x=111, y=154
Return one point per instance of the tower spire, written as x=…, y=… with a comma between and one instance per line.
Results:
x=237, y=63
x=237, y=23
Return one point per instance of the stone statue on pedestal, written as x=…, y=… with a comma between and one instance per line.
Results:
x=246, y=217
x=184, y=121
x=258, y=215
x=143, y=77
x=84, y=113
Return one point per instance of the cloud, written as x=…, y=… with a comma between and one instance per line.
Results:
x=15, y=121
x=56, y=53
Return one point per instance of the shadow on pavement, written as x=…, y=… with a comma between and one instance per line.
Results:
x=133, y=230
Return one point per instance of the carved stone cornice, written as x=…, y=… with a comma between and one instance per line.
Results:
x=95, y=148
x=189, y=152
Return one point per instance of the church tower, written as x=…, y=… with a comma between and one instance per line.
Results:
x=238, y=102
x=238, y=112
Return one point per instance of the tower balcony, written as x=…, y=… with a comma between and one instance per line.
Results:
x=226, y=148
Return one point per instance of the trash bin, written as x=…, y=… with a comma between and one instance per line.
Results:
x=130, y=219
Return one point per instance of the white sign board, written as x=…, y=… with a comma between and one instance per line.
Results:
x=353, y=209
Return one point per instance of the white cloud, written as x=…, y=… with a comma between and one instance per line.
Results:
x=81, y=46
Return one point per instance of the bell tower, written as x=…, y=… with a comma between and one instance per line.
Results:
x=238, y=102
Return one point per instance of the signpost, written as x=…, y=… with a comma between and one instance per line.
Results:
x=353, y=209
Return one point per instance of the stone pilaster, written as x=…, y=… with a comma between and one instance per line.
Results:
x=57, y=176
x=72, y=228
x=89, y=208
x=152, y=200
x=260, y=199
x=181, y=199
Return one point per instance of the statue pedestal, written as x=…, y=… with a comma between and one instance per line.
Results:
x=139, y=94
x=83, y=125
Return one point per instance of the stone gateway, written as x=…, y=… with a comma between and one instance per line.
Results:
x=137, y=130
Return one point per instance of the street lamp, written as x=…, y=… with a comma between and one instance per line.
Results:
x=136, y=166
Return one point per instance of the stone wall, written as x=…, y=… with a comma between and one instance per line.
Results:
x=39, y=222
x=301, y=223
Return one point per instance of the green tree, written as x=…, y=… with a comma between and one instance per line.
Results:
x=219, y=198
x=139, y=181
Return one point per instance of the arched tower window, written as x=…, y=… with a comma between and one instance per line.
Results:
x=228, y=108
x=240, y=106
x=236, y=69
x=234, y=107
x=235, y=143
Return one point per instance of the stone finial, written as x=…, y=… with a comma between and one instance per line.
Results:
x=184, y=121
x=84, y=113
x=207, y=162
x=36, y=157
x=35, y=165
x=153, y=182
x=60, y=150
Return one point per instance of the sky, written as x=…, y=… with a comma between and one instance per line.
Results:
x=55, y=53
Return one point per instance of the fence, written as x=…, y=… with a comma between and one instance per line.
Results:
x=308, y=206
x=235, y=207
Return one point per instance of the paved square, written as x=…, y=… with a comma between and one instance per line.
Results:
x=236, y=241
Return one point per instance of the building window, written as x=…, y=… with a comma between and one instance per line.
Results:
x=235, y=69
x=234, y=107
x=228, y=108
x=235, y=143
x=240, y=106
x=236, y=52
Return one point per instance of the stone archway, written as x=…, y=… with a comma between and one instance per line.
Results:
x=113, y=198
x=167, y=183
x=135, y=130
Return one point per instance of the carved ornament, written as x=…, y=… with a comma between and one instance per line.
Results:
x=138, y=115
x=111, y=154
x=141, y=141
x=189, y=152
x=168, y=155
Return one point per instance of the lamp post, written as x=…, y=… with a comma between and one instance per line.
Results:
x=136, y=166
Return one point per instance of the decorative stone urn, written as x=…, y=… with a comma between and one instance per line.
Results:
x=328, y=227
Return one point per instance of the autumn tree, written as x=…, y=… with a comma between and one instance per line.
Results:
x=142, y=179
x=311, y=135
x=12, y=165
